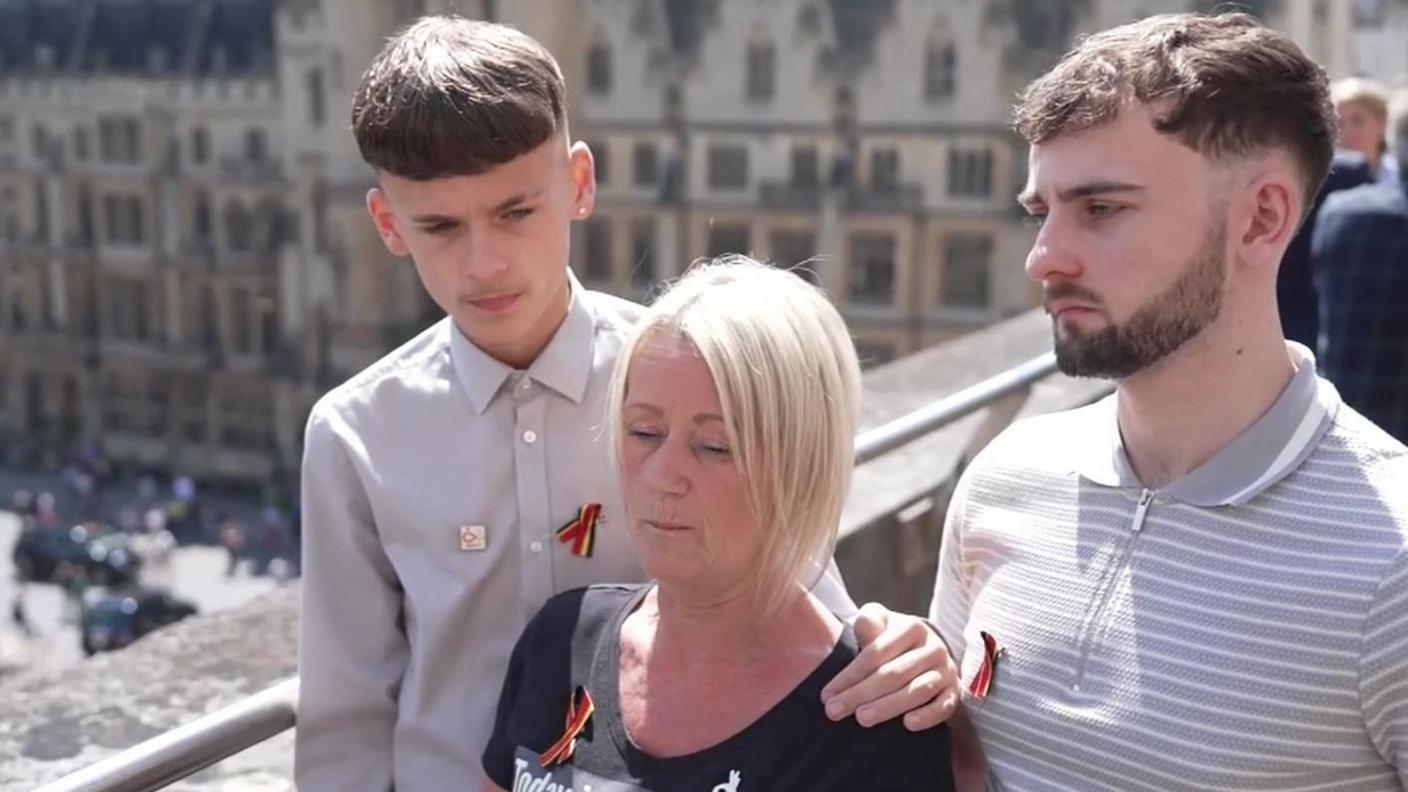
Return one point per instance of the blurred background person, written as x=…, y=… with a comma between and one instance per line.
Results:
x=154, y=544
x=1296, y=297
x=232, y=538
x=1362, y=107
x=1360, y=257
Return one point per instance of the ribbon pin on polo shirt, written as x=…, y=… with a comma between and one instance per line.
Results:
x=981, y=685
x=580, y=532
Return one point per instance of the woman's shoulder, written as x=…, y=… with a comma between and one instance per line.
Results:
x=888, y=751
x=599, y=598
x=588, y=610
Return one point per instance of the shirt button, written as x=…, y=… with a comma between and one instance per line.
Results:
x=536, y=547
x=530, y=436
x=525, y=384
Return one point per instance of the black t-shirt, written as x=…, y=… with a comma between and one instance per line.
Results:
x=573, y=642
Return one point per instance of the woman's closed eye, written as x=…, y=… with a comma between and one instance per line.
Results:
x=716, y=450
x=644, y=433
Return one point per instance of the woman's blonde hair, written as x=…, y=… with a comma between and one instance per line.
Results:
x=1368, y=94
x=788, y=382
x=1371, y=94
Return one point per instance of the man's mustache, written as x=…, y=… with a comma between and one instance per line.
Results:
x=1066, y=290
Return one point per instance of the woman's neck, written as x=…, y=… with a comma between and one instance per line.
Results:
x=692, y=675
x=734, y=626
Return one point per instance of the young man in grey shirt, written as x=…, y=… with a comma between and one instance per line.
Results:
x=1200, y=582
x=454, y=486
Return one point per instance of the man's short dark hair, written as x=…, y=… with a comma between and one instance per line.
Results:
x=1225, y=86
x=449, y=96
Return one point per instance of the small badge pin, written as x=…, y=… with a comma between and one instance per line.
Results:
x=473, y=538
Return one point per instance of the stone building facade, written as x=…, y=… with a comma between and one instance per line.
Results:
x=185, y=261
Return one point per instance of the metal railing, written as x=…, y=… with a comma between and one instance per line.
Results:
x=183, y=751
x=188, y=749
x=908, y=428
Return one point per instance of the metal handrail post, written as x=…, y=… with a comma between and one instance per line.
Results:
x=907, y=428
x=189, y=748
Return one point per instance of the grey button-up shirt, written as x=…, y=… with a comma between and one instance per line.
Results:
x=409, y=469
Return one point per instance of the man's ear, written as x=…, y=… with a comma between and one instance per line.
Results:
x=380, y=210
x=1273, y=212
x=582, y=170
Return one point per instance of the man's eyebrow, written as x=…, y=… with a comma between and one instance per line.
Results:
x=1085, y=190
x=1089, y=189
x=520, y=198
x=433, y=219
x=503, y=206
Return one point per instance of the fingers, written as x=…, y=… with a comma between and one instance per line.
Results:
x=912, y=694
x=870, y=623
x=869, y=626
x=898, y=657
x=870, y=698
x=902, y=669
x=937, y=711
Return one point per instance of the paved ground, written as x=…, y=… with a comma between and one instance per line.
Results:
x=195, y=573
x=56, y=721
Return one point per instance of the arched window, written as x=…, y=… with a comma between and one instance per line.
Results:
x=599, y=72
x=762, y=71
x=237, y=227
x=940, y=67
x=200, y=218
x=256, y=145
x=269, y=226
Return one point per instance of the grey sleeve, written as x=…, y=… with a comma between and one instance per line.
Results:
x=1383, y=685
x=352, y=649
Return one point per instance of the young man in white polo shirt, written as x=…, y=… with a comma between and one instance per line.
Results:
x=1200, y=582
x=454, y=486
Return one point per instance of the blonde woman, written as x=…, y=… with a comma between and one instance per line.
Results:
x=1362, y=108
x=732, y=412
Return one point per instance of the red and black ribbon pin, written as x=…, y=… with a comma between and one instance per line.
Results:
x=579, y=711
x=580, y=532
x=981, y=685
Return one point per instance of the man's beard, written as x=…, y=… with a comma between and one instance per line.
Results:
x=1157, y=328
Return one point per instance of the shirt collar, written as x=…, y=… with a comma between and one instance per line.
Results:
x=564, y=365
x=1268, y=450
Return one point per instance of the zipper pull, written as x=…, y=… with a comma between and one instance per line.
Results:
x=1142, y=510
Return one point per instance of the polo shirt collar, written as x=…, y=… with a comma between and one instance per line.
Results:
x=1268, y=450
x=564, y=365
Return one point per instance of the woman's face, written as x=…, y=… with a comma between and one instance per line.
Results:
x=686, y=500
x=1360, y=130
